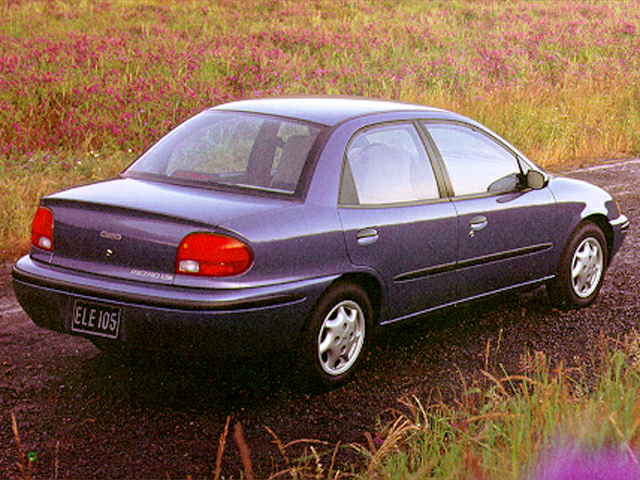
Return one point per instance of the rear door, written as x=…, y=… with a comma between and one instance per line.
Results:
x=505, y=232
x=395, y=220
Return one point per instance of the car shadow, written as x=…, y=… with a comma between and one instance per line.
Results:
x=416, y=352
x=186, y=383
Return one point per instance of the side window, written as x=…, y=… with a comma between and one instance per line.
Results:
x=386, y=165
x=475, y=163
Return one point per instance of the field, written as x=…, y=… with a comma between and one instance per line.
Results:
x=86, y=86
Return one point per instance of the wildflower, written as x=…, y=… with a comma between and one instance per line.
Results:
x=580, y=463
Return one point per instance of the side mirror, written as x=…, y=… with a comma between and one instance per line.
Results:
x=536, y=179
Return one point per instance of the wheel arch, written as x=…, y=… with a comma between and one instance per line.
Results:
x=312, y=364
x=563, y=293
x=374, y=291
x=371, y=286
x=602, y=222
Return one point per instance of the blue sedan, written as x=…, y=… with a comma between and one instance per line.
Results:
x=308, y=224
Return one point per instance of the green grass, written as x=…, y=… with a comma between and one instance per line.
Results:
x=506, y=426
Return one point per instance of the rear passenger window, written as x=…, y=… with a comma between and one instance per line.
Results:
x=387, y=165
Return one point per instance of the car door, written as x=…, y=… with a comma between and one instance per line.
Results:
x=395, y=221
x=505, y=231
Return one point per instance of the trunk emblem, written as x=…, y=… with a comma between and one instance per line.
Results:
x=110, y=235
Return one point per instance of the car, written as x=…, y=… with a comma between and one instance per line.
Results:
x=307, y=225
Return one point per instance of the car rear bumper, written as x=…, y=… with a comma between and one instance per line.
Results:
x=241, y=321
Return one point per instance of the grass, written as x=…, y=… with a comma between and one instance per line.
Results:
x=558, y=79
x=520, y=426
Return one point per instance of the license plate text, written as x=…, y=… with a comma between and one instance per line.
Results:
x=101, y=320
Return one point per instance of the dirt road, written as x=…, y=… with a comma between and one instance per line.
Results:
x=87, y=416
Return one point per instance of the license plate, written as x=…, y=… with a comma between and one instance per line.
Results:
x=96, y=319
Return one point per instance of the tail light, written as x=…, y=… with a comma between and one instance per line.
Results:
x=42, y=229
x=212, y=255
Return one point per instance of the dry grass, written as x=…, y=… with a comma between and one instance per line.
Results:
x=25, y=461
x=513, y=426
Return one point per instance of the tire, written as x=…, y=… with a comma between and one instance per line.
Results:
x=581, y=269
x=336, y=336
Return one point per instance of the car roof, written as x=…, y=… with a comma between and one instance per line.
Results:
x=328, y=110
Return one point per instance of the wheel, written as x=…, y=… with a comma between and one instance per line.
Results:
x=336, y=336
x=581, y=269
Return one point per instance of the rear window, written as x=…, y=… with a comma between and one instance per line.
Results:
x=231, y=149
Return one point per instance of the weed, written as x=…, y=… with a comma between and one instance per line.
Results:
x=25, y=462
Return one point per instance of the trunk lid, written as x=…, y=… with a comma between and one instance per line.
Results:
x=131, y=228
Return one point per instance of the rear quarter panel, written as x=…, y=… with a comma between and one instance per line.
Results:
x=290, y=244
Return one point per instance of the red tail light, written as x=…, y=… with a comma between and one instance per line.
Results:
x=211, y=255
x=42, y=229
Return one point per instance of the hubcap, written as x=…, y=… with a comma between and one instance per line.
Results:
x=341, y=337
x=586, y=267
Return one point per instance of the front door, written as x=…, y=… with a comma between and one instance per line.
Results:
x=505, y=231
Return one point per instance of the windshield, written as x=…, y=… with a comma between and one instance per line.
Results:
x=230, y=148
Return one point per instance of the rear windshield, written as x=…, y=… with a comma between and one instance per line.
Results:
x=231, y=149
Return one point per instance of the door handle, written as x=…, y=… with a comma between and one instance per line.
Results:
x=476, y=224
x=367, y=236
